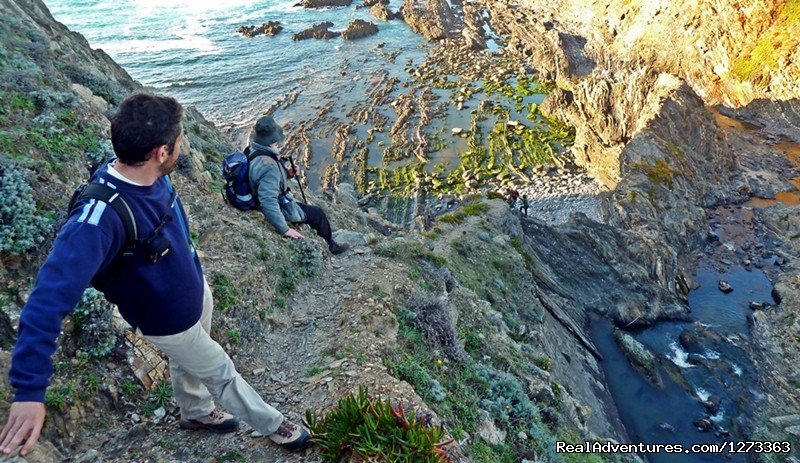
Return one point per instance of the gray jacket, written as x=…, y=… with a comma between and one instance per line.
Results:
x=268, y=180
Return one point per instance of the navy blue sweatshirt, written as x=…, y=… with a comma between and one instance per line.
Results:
x=159, y=299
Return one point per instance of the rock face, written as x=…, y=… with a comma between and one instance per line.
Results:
x=317, y=31
x=729, y=52
x=325, y=3
x=644, y=133
x=628, y=278
x=359, y=29
x=778, y=330
x=434, y=19
x=268, y=28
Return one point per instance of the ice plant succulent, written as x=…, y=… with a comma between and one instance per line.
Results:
x=363, y=428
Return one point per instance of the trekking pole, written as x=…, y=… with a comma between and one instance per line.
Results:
x=297, y=177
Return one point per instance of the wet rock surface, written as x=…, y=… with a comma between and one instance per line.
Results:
x=268, y=28
x=434, y=19
x=319, y=31
x=359, y=29
x=381, y=11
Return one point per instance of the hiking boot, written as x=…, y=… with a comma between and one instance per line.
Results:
x=337, y=249
x=216, y=421
x=291, y=437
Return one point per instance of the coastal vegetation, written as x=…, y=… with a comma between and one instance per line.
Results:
x=364, y=428
x=772, y=47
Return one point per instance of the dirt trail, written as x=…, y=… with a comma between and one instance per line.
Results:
x=325, y=343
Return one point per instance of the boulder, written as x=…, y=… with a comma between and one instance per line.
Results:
x=349, y=238
x=317, y=31
x=703, y=424
x=359, y=29
x=95, y=102
x=382, y=12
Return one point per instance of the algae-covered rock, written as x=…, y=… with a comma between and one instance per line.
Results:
x=641, y=358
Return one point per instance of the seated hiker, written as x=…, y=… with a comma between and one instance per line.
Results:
x=269, y=175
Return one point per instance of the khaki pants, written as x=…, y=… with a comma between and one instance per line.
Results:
x=202, y=372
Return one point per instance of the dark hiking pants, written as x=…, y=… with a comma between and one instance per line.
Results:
x=316, y=219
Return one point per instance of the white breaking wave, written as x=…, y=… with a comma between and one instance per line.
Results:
x=200, y=44
x=679, y=356
x=702, y=394
x=711, y=354
x=285, y=7
x=737, y=370
x=719, y=416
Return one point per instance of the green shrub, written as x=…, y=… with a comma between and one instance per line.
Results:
x=234, y=336
x=160, y=396
x=22, y=227
x=476, y=208
x=93, y=320
x=506, y=399
x=409, y=252
x=226, y=294
x=363, y=428
x=59, y=396
x=304, y=257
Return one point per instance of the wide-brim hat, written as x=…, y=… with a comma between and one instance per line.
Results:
x=266, y=132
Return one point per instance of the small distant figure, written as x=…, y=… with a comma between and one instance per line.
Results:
x=526, y=203
x=513, y=196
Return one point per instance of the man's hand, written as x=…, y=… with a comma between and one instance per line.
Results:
x=293, y=172
x=25, y=420
x=294, y=234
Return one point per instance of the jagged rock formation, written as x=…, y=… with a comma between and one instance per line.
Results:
x=317, y=31
x=268, y=28
x=473, y=31
x=381, y=11
x=434, y=19
x=359, y=29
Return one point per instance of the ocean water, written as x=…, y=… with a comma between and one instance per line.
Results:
x=189, y=49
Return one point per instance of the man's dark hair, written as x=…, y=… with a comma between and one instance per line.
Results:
x=142, y=123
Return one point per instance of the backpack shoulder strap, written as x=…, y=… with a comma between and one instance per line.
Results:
x=113, y=198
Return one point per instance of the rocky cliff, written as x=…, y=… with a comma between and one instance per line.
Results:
x=499, y=361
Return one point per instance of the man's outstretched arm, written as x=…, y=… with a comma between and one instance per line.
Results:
x=80, y=250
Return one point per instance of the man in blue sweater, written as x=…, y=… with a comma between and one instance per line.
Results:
x=165, y=299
